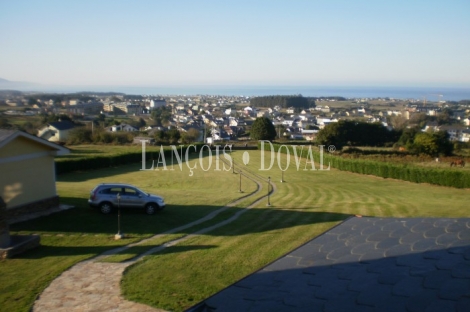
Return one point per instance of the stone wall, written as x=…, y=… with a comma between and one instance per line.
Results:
x=39, y=206
x=4, y=228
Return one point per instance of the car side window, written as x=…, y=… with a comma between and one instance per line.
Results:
x=131, y=192
x=111, y=191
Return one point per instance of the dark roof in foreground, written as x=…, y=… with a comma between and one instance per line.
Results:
x=5, y=133
x=363, y=264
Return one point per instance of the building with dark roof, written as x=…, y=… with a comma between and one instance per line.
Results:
x=57, y=131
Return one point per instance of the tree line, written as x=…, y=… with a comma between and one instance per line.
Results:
x=353, y=133
x=283, y=101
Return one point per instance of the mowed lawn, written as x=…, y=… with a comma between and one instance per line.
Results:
x=307, y=204
x=80, y=233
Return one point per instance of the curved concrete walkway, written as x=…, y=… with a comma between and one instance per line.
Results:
x=95, y=286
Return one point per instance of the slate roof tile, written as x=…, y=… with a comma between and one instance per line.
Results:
x=463, y=304
x=421, y=301
x=330, y=246
x=440, y=306
x=339, y=252
x=398, y=250
x=399, y=232
x=347, y=259
x=424, y=244
x=393, y=275
x=361, y=249
x=462, y=270
x=434, y=279
x=421, y=227
x=373, y=295
x=411, y=238
x=434, y=232
x=422, y=269
x=344, y=305
x=408, y=286
x=448, y=261
x=372, y=256
x=388, y=243
x=356, y=239
x=456, y=227
x=454, y=289
x=378, y=236
x=464, y=235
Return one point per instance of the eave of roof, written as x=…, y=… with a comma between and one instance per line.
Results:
x=6, y=136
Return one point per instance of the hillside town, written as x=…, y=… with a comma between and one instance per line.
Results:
x=211, y=118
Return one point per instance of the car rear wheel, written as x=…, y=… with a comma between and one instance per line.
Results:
x=151, y=208
x=106, y=208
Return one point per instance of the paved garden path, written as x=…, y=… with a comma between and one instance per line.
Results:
x=92, y=285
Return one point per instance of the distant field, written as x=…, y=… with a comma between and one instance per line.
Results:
x=83, y=151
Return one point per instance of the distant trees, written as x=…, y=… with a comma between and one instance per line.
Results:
x=171, y=136
x=445, y=117
x=398, y=122
x=190, y=136
x=346, y=132
x=263, y=129
x=4, y=123
x=433, y=144
x=161, y=116
x=407, y=137
x=283, y=101
x=32, y=101
x=137, y=123
x=81, y=135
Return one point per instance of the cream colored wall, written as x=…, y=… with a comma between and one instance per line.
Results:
x=26, y=181
x=59, y=136
x=22, y=146
x=63, y=135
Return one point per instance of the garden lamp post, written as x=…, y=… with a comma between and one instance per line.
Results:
x=119, y=235
x=282, y=176
x=241, y=182
x=269, y=186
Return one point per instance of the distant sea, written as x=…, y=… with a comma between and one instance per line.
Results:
x=431, y=93
x=448, y=94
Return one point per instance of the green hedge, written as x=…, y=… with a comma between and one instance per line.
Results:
x=407, y=172
x=98, y=162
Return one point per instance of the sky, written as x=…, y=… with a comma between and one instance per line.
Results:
x=256, y=42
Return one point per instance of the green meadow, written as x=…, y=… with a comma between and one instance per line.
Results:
x=305, y=205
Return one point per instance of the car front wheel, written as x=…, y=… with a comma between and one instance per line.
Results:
x=151, y=208
x=106, y=208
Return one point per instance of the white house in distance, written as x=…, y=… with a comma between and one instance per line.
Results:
x=27, y=167
x=155, y=103
x=122, y=127
x=57, y=131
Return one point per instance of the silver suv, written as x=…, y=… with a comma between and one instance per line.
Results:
x=105, y=197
